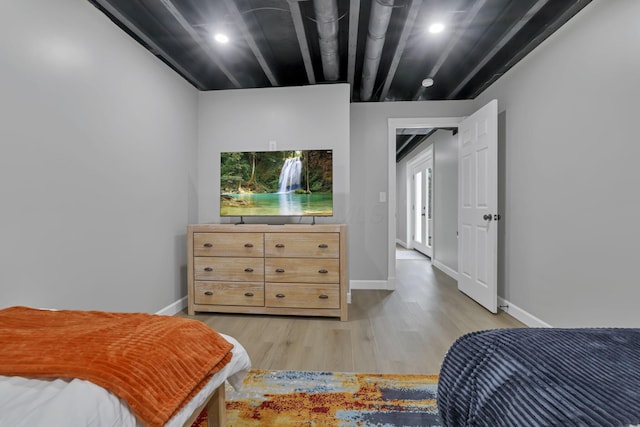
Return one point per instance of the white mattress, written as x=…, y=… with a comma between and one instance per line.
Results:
x=62, y=402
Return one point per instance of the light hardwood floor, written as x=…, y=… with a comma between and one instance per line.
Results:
x=405, y=331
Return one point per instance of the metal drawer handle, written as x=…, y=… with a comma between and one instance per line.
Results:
x=323, y=245
x=323, y=271
x=208, y=245
x=248, y=245
x=279, y=245
x=208, y=269
x=279, y=295
x=208, y=293
x=248, y=270
x=279, y=270
x=323, y=296
x=248, y=294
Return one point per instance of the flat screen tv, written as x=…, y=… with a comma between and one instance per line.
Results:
x=276, y=183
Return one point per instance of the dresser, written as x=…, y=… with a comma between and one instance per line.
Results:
x=292, y=269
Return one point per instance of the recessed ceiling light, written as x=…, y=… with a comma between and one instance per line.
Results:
x=427, y=83
x=436, y=28
x=221, y=38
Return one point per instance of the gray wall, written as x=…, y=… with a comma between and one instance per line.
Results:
x=445, y=206
x=568, y=117
x=297, y=118
x=369, y=218
x=97, y=163
x=445, y=198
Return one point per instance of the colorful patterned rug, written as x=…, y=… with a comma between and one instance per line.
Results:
x=302, y=398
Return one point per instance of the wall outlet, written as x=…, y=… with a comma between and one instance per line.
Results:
x=272, y=146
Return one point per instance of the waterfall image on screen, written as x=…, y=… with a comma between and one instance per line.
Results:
x=276, y=183
x=290, y=175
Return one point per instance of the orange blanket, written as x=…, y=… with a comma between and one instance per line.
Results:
x=154, y=363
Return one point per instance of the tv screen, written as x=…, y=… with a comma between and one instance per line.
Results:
x=276, y=183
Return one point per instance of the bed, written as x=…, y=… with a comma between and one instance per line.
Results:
x=81, y=368
x=542, y=377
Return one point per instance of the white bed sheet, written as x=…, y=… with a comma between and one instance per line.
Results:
x=26, y=402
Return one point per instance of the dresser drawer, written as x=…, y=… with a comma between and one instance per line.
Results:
x=229, y=269
x=302, y=295
x=306, y=270
x=302, y=245
x=229, y=293
x=228, y=244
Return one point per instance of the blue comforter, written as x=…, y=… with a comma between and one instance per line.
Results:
x=542, y=377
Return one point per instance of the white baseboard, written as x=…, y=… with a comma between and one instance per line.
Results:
x=369, y=284
x=504, y=305
x=523, y=316
x=446, y=270
x=174, y=308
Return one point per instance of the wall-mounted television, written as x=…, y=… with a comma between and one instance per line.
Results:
x=276, y=183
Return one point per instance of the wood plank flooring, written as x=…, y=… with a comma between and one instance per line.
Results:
x=405, y=331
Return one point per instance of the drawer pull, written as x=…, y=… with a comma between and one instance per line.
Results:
x=323, y=271
x=279, y=270
x=323, y=245
x=248, y=245
x=208, y=269
x=248, y=294
x=323, y=296
x=249, y=270
x=279, y=295
x=279, y=245
x=208, y=293
x=208, y=245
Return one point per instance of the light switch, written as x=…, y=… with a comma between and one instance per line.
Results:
x=383, y=196
x=272, y=146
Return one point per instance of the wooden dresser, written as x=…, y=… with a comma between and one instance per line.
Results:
x=295, y=269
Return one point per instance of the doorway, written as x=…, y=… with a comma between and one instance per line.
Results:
x=393, y=125
x=477, y=200
x=420, y=202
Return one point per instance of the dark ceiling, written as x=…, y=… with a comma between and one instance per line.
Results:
x=381, y=47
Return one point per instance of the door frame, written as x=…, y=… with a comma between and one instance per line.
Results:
x=393, y=125
x=423, y=156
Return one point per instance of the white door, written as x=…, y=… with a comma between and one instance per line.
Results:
x=422, y=207
x=478, y=205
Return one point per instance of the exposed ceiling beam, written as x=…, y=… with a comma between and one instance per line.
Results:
x=402, y=44
x=415, y=141
x=327, y=23
x=405, y=144
x=471, y=15
x=377, y=33
x=498, y=46
x=239, y=20
x=298, y=24
x=149, y=42
x=354, y=18
x=200, y=41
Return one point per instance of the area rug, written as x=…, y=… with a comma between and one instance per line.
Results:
x=303, y=398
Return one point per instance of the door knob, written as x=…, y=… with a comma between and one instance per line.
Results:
x=487, y=217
